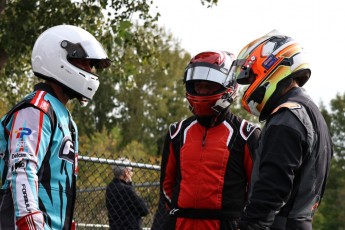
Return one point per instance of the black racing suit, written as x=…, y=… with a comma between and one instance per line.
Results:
x=291, y=168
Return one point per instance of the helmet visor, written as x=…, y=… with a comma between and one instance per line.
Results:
x=87, y=49
x=95, y=51
x=203, y=71
x=241, y=70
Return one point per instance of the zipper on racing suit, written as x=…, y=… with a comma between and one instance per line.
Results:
x=204, y=137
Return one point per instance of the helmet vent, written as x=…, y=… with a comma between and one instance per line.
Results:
x=73, y=50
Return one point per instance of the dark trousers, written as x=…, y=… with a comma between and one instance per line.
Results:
x=7, y=219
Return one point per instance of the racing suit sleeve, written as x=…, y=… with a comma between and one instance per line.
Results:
x=249, y=152
x=162, y=213
x=169, y=176
x=29, y=139
x=280, y=153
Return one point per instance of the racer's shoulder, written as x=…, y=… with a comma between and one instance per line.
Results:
x=176, y=127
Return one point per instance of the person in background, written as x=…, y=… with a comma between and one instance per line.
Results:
x=125, y=207
x=40, y=164
x=207, y=158
x=295, y=149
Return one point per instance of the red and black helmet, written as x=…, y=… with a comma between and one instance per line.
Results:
x=211, y=66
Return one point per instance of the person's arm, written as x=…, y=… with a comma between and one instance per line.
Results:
x=162, y=213
x=249, y=152
x=110, y=199
x=280, y=156
x=138, y=203
x=28, y=139
x=169, y=176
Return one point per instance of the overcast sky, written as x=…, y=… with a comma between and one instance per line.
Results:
x=318, y=25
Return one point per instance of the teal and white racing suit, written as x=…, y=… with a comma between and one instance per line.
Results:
x=38, y=190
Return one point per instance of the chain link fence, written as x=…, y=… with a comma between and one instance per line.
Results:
x=93, y=177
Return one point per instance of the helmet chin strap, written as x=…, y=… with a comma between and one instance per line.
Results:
x=220, y=109
x=71, y=95
x=83, y=101
x=253, y=110
x=213, y=120
x=223, y=103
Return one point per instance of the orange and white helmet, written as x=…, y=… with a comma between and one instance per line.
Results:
x=212, y=66
x=263, y=64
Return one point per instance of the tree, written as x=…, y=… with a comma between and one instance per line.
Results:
x=331, y=213
x=149, y=97
x=22, y=21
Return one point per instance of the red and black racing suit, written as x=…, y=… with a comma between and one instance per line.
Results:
x=207, y=172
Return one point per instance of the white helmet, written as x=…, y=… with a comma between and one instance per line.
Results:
x=56, y=46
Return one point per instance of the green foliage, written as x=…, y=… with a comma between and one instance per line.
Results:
x=100, y=143
x=209, y=3
x=237, y=109
x=338, y=127
x=22, y=21
x=153, y=94
x=143, y=94
x=139, y=93
x=3, y=107
x=331, y=214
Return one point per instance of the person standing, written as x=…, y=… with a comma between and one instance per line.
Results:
x=295, y=149
x=40, y=164
x=125, y=207
x=207, y=158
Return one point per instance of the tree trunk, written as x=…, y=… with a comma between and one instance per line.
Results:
x=2, y=5
x=3, y=58
x=3, y=55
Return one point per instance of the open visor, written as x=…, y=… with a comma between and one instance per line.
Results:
x=207, y=72
x=241, y=71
